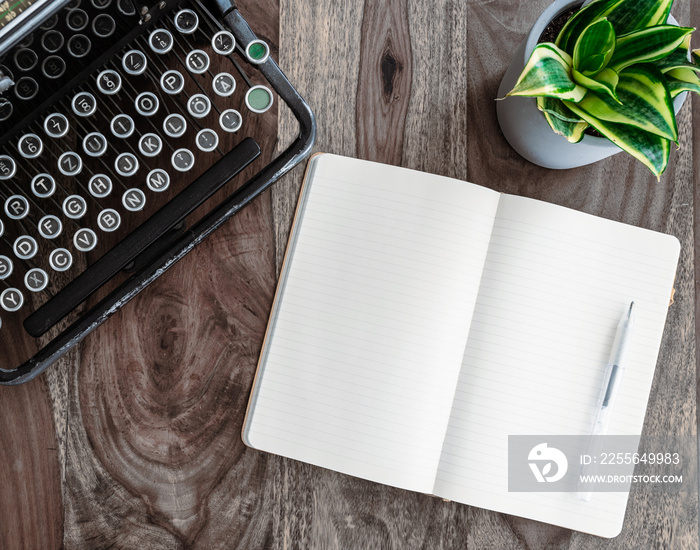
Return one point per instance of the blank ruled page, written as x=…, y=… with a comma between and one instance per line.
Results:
x=370, y=321
x=555, y=285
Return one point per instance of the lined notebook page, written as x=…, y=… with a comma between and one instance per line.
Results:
x=370, y=321
x=555, y=284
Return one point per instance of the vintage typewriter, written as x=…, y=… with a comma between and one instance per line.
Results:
x=129, y=131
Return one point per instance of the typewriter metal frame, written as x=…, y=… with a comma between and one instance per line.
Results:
x=174, y=251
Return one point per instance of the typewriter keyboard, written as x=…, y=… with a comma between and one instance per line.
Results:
x=117, y=126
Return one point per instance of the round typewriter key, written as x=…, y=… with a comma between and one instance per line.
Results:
x=126, y=164
x=223, y=43
x=258, y=99
x=79, y=45
x=85, y=239
x=95, y=144
x=186, y=21
x=103, y=26
x=161, y=41
x=60, y=259
x=199, y=105
x=36, y=280
x=50, y=23
x=8, y=167
x=30, y=146
x=17, y=207
x=84, y=104
x=70, y=164
x=230, y=120
x=197, y=62
x=257, y=52
x=11, y=299
x=26, y=59
x=6, y=109
x=175, y=125
x=223, y=84
x=146, y=104
x=109, y=220
x=76, y=20
x=6, y=267
x=109, y=82
x=134, y=62
x=182, y=160
x=74, y=207
x=43, y=186
x=207, y=140
x=100, y=186
x=26, y=88
x=134, y=200
x=158, y=180
x=52, y=41
x=150, y=145
x=122, y=126
x=50, y=227
x=53, y=67
x=56, y=125
x=101, y=4
x=25, y=247
x=172, y=82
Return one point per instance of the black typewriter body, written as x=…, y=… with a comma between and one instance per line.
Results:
x=128, y=133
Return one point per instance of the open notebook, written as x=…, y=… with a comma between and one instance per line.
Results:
x=420, y=320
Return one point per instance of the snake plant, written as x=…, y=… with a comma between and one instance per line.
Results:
x=615, y=67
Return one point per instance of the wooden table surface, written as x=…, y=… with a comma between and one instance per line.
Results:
x=133, y=439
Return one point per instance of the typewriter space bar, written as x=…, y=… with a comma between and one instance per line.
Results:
x=113, y=261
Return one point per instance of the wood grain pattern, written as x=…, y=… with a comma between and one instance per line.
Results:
x=133, y=440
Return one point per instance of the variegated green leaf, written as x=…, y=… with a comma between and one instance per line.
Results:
x=605, y=82
x=594, y=48
x=651, y=149
x=548, y=73
x=644, y=103
x=556, y=107
x=647, y=45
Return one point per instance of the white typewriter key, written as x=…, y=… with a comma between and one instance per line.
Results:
x=30, y=146
x=158, y=180
x=146, y=104
x=17, y=207
x=70, y=164
x=207, y=140
x=186, y=21
x=172, y=82
x=56, y=125
x=109, y=220
x=197, y=62
x=84, y=104
x=100, y=186
x=161, y=41
x=175, y=125
x=134, y=200
x=95, y=144
x=109, y=82
x=43, y=186
x=134, y=62
x=182, y=160
x=11, y=299
x=50, y=227
x=199, y=105
x=74, y=207
x=126, y=164
x=36, y=280
x=6, y=267
x=60, y=259
x=230, y=120
x=122, y=126
x=25, y=247
x=223, y=84
x=150, y=145
x=8, y=167
x=85, y=239
x=223, y=43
